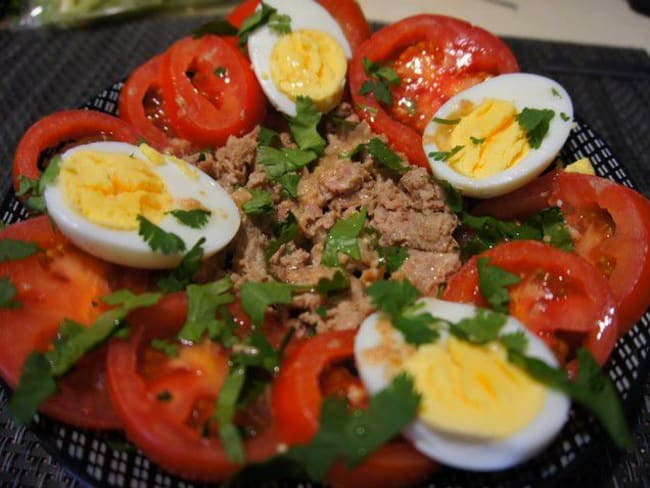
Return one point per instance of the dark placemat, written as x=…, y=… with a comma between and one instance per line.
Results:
x=46, y=71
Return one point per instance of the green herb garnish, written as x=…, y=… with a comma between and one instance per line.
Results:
x=158, y=239
x=195, y=218
x=343, y=238
x=445, y=155
x=536, y=124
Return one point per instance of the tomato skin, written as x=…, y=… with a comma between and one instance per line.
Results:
x=489, y=55
x=59, y=127
x=160, y=432
x=559, y=293
x=63, y=282
x=240, y=13
x=226, y=106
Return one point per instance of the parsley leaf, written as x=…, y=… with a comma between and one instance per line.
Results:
x=281, y=165
x=224, y=414
x=445, y=155
x=259, y=204
x=381, y=153
x=280, y=23
x=35, y=385
x=203, y=302
x=453, y=198
x=477, y=140
x=482, y=328
x=255, y=297
x=195, y=218
x=340, y=281
x=514, y=341
x=393, y=257
x=492, y=281
x=564, y=117
x=169, y=348
x=446, y=121
x=381, y=79
x=180, y=277
x=218, y=27
x=304, y=126
x=258, y=19
x=7, y=293
x=536, y=123
x=398, y=300
x=12, y=250
x=158, y=239
x=286, y=232
x=342, y=237
x=267, y=137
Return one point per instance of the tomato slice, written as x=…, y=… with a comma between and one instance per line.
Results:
x=435, y=57
x=347, y=13
x=610, y=226
x=560, y=296
x=61, y=127
x=203, y=106
x=141, y=105
x=310, y=371
x=170, y=430
x=61, y=282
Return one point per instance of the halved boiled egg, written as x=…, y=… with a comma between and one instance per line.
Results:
x=309, y=58
x=477, y=411
x=499, y=134
x=102, y=188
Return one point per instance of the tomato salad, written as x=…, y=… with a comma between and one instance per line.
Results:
x=247, y=361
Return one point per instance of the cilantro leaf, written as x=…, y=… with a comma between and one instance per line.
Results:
x=158, y=239
x=218, y=27
x=224, y=414
x=257, y=352
x=195, y=218
x=554, y=228
x=255, y=297
x=514, y=341
x=12, y=250
x=482, y=328
x=304, y=126
x=280, y=23
x=342, y=237
x=289, y=184
x=35, y=385
x=536, y=123
x=7, y=294
x=278, y=162
x=380, y=80
x=340, y=281
x=259, y=204
x=286, y=231
x=442, y=121
x=492, y=281
x=267, y=137
x=477, y=140
x=393, y=257
x=180, y=277
x=26, y=185
x=258, y=19
x=202, y=305
x=453, y=198
x=35, y=187
x=445, y=155
x=169, y=348
x=384, y=155
x=49, y=175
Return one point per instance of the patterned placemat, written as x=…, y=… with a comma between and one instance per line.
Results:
x=45, y=71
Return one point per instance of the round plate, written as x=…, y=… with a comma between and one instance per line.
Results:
x=106, y=459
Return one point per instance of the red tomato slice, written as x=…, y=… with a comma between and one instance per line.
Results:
x=61, y=127
x=347, y=13
x=560, y=295
x=309, y=372
x=142, y=106
x=207, y=108
x=170, y=432
x=61, y=282
x=610, y=228
x=435, y=58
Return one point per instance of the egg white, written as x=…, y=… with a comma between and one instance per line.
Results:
x=459, y=451
x=126, y=247
x=522, y=90
x=309, y=15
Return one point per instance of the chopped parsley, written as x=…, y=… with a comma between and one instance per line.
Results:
x=218, y=27
x=181, y=276
x=267, y=137
x=286, y=231
x=169, y=348
x=255, y=297
x=304, y=126
x=280, y=23
x=477, y=140
x=35, y=188
x=259, y=204
x=381, y=153
x=282, y=164
x=7, y=294
x=392, y=257
x=556, y=93
x=381, y=78
x=12, y=249
x=564, y=117
x=159, y=239
x=536, y=123
x=342, y=237
x=224, y=414
x=446, y=121
x=492, y=281
x=203, y=301
x=445, y=155
x=258, y=19
x=195, y=218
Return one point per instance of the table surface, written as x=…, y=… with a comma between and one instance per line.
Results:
x=45, y=71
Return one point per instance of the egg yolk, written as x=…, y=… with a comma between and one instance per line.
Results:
x=112, y=189
x=473, y=390
x=490, y=137
x=312, y=64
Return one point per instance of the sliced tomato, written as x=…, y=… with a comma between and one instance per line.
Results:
x=59, y=282
x=610, y=226
x=63, y=127
x=141, y=105
x=164, y=402
x=203, y=106
x=561, y=297
x=435, y=57
x=347, y=13
x=308, y=373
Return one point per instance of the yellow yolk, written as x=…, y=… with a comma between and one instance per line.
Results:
x=473, y=390
x=490, y=136
x=582, y=166
x=310, y=63
x=112, y=189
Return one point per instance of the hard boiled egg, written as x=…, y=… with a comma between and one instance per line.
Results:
x=479, y=140
x=103, y=187
x=311, y=60
x=477, y=411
